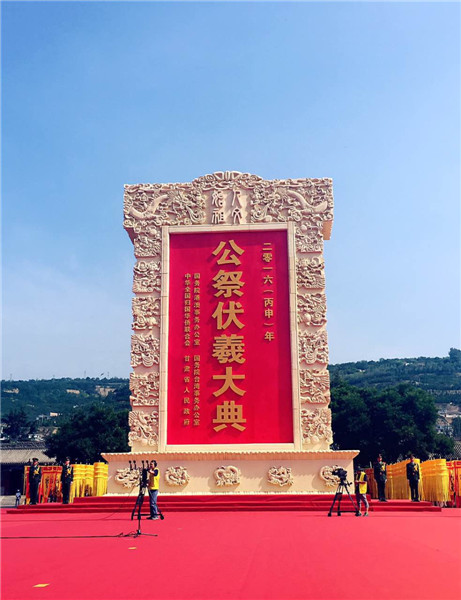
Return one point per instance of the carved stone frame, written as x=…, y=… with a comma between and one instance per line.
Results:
x=230, y=199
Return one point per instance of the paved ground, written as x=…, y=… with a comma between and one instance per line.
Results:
x=8, y=501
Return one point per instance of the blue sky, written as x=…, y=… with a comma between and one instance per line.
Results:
x=96, y=95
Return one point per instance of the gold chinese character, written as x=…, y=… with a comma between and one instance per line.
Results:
x=267, y=257
x=229, y=413
x=186, y=422
x=268, y=302
x=229, y=348
x=269, y=336
x=235, y=308
x=268, y=279
x=224, y=260
x=228, y=283
x=268, y=312
x=186, y=411
x=229, y=383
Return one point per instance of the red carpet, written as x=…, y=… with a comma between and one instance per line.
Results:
x=234, y=555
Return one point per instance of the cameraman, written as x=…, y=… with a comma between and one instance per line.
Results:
x=152, y=486
x=361, y=490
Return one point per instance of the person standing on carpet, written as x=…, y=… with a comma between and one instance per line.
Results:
x=413, y=478
x=379, y=471
x=35, y=476
x=67, y=477
x=361, y=490
x=152, y=486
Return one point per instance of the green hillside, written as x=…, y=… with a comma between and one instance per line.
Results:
x=45, y=396
x=439, y=376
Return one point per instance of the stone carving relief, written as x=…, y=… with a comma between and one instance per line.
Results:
x=313, y=347
x=146, y=312
x=310, y=272
x=312, y=309
x=314, y=386
x=127, y=477
x=145, y=350
x=227, y=476
x=176, y=476
x=143, y=427
x=227, y=180
x=326, y=473
x=148, y=245
x=292, y=200
x=148, y=205
x=280, y=476
x=309, y=237
x=144, y=389
x=316, y=425
x=146, y=277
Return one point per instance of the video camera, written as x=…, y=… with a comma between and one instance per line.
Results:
x=340, y=473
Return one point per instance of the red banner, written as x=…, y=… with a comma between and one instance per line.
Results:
x=229, y=359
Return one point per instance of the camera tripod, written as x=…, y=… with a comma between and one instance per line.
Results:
x=343, y=487
x=138, y=509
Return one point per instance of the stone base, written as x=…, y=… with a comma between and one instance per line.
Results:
x=234, y=472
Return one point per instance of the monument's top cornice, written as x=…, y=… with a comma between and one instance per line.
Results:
x=229, y=198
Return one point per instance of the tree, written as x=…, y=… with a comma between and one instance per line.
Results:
x=455, y=356
x=89, y=432
x=456, y=424
x=17, y=424
x=394, y=422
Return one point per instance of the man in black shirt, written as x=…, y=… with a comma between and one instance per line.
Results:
x=380, y=474
x=413, y=478
x=35, y=476
x=67, y=477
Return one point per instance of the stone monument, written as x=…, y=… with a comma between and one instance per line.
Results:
x=230, y=388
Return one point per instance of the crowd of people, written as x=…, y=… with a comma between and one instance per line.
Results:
x=380, y=475
x=35, y=478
